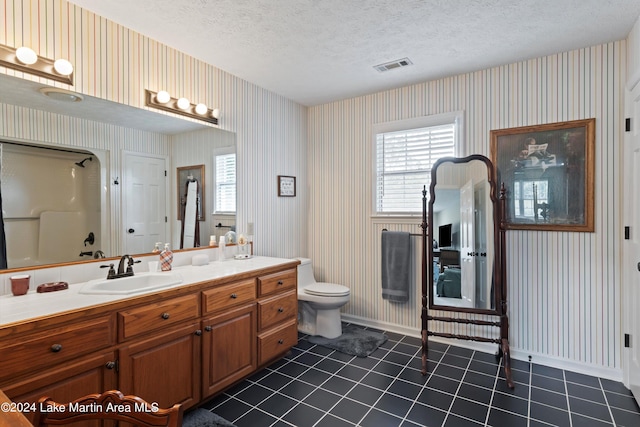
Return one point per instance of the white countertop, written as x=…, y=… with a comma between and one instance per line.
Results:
x=33, y=305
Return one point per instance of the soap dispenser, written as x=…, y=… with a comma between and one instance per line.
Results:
x=166, y=258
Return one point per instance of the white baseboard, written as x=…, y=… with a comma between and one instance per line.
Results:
x=537, y=358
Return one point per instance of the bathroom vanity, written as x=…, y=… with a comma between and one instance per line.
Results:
x=182, y=344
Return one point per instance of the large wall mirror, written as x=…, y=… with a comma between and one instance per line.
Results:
x=72, y=184
x=462, y=225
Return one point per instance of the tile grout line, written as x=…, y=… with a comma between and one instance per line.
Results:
x=385, y=390
x=566, y=393
x=529, y=395
x=493, y=390
x=422, y=387
x=606, y=400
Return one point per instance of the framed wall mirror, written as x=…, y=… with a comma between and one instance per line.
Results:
x=464, y=230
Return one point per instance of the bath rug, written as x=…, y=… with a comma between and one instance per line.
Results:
x=202, y=418
x=354, y=341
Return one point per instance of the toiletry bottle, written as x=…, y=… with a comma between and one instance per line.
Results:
x=166, y=258
x=221, y=248
x=212, y=241
x=156, y=248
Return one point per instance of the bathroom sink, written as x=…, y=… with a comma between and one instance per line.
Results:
x=142, y=282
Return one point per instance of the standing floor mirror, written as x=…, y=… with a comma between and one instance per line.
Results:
x=463, y=260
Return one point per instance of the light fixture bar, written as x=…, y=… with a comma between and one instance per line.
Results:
x=43, y=67
x=172, y=107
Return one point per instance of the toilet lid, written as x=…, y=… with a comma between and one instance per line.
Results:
x=327, y=289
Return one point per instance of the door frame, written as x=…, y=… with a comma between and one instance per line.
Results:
x=168, y=192
x=629, y=259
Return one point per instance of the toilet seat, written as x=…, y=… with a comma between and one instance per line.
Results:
x=327, y=290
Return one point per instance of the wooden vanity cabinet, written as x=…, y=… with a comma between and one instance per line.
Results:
x=278, y=314
x=68, y=381
x=163, y=368
x=229, y=348
x=180, y=346
x=50, y=347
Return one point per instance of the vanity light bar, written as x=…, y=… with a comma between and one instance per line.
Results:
x=208, y=115
x=60, y=70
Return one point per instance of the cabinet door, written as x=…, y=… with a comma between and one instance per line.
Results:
x=91, y=374
x=228, y=348
x=164, y=369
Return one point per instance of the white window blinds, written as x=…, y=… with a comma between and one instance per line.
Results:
x=403, y=165
x=225, y=183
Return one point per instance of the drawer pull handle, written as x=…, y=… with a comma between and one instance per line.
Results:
x=56, y=348
x=165, y=316
x=280, y=310
x=208, y=328
x=198, y=332
x=280, y=283
x=234, y=296
x=280, y=341
x=110, y=365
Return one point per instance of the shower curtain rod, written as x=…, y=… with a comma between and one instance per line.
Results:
x=46, y=147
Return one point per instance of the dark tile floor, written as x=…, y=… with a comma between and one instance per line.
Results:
x=315, y=386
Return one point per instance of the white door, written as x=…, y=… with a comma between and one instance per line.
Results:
x=144, y=202
x=467, y=246
x=482, y=218
x=631, y=246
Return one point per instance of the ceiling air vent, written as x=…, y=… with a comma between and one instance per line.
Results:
x=398, y=63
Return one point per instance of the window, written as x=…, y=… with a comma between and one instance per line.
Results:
x=531, y=198
x=225, y=183
x=404, y=158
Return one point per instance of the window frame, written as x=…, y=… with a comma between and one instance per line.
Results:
x=223, y=152
x=454, y=117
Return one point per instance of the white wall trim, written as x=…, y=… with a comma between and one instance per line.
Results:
x=538, y=358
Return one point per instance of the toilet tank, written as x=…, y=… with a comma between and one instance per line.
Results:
x=305, y=273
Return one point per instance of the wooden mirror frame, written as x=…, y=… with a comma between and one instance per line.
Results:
x=499, y=276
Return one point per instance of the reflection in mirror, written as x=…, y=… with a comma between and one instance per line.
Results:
x=463, y=247
x=24, y=101
x=190, y=231
x=51, y=204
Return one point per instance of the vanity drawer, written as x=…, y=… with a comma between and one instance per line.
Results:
x=277, y=282
x=277, y=341
x=277, y=309
x=163, y=314
x=47, y=349
x=229, y=295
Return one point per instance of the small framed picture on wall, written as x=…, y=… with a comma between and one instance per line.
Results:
x=286, y=186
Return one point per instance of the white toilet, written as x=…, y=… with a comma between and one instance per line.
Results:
x=319, y=303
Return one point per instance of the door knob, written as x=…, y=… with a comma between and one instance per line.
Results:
x=131, y=230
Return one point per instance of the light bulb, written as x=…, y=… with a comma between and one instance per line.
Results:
x=201, y=109
x=215, y=113
x=163, y=97
x=26, y=56
x=63, y=67
x=183, y=103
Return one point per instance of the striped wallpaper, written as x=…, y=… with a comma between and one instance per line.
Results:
x=563, y=288
x=118, y=64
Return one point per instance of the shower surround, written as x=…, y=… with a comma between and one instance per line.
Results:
x=50, y=204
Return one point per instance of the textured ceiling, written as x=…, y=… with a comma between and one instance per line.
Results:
x=316, y=51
